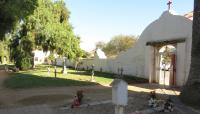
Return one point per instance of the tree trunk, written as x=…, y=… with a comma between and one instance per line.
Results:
x=191, y=91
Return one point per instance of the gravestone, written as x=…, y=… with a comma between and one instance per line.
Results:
x=92, y=74
x=64, y=71
x=48, y=70
x=119, y=95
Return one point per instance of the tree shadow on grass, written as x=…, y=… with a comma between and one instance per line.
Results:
x=87, y=73
x=127, y=78
x=19, y=80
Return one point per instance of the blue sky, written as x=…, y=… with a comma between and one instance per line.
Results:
x=100, y=20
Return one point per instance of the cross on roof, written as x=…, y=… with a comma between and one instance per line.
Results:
x=169, y=4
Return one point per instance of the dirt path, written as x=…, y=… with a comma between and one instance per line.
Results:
x=51, y=95
x=3, y=76
x=47, y=95
x=56, y=97
x=39, y=109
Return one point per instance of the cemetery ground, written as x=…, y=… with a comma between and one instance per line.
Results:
x=34, y=88
x=39, y=77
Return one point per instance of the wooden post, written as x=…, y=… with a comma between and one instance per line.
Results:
x=55, y=71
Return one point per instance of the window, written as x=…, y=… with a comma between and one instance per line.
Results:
x=36, y=58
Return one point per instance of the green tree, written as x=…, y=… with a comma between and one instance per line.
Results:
x=4, y=50
x=51, y=58
x=86, y=54
x=48, y=28
x=21, y=47
x=12, y=11
x=191, y=91
x=118, y=44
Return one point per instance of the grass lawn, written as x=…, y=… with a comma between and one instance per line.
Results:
x=39, y=78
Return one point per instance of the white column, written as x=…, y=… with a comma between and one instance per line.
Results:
x=149, y=63
x=180, y=64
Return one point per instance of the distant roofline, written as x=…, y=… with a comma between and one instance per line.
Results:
x=189, y=15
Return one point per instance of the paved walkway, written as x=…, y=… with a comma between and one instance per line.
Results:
x=39, y=109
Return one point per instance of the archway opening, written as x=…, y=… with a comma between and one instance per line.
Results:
x=167, y=65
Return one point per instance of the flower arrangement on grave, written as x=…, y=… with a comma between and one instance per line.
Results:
x=75, y=103
x=168, y=106
x=152, y=100
x=77, y=99
x=165, y=106
x=137, y=112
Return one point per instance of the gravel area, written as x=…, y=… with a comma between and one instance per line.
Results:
x=136, y=102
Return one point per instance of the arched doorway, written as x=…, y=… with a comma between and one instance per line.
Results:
x=167, y=65
x=174, y=70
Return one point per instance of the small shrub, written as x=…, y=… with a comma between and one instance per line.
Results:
x=23, y=63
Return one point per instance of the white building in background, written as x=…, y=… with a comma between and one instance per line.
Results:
x=100, y=54
x=40, y=57
x=144, y=59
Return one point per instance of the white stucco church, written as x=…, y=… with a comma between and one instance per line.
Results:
x=146, y=59
x=169, y=29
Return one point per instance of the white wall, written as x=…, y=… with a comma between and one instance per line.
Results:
x=149, y=53
x=135, y=60
x=107, y=65
x=181, y=64
x=59, y=62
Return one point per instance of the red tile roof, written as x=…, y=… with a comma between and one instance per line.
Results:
x=189, y=15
